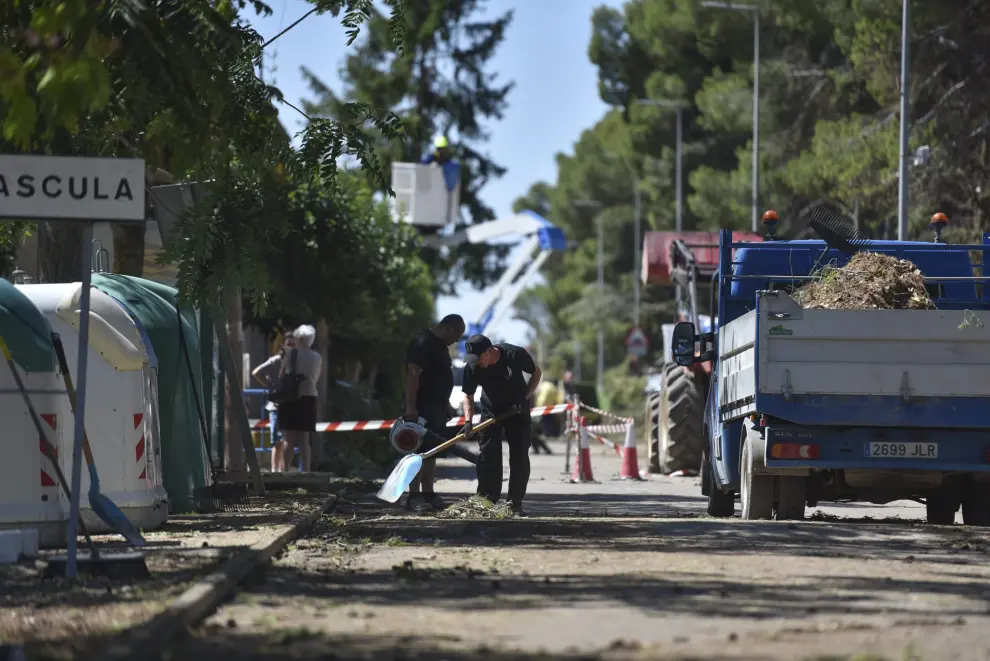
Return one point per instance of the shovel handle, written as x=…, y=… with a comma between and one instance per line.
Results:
x=63, y=367
x=460, y=437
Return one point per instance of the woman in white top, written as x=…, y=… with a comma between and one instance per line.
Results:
x=297, y=418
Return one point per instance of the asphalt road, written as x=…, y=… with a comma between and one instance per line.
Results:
x=614, y=570
x=552, y=493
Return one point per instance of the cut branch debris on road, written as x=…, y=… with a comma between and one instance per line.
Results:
x=477, y=507
x=870, y=281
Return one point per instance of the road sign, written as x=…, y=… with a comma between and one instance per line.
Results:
x=637, y=344
x=71, y=188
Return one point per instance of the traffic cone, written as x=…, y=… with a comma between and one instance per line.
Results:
x=630, y=460
x=582, y=460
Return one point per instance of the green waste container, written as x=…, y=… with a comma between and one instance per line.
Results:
x=185, y=463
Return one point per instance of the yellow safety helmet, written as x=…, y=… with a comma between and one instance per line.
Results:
x=440, y=142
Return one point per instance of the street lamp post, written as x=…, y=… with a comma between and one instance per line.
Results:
x=678, y=185
x=600, y=368
x=756, y=99
x=677, y=106
x=637, y=237
x=599, y=221
x=902, y=167
x=637, y=249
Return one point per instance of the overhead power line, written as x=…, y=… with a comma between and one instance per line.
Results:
x=297, y=22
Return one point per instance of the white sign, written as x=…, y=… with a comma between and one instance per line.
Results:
x=71, y=188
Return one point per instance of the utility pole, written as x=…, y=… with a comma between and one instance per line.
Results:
x=637, y=249
x=600, y=223
x=678, y=177
x=600, y=376
x=678, y=106
x=756, y=99
x=902, y=168
x=756, y=121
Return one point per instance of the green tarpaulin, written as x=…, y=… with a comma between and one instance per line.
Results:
x=25, y=330
x=185, y=464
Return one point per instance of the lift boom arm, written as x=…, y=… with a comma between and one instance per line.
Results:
x=542, y=237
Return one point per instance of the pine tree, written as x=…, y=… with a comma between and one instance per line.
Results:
x=438, y=85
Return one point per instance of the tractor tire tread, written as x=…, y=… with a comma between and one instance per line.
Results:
x=685, y=431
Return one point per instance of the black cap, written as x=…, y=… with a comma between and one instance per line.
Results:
x=474, y=347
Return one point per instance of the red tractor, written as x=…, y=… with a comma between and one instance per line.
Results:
x=675, y=395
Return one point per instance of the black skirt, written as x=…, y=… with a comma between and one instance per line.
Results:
x=299, y=415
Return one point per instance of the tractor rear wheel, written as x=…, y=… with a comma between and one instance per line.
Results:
x=653, y=412
x=681, y=439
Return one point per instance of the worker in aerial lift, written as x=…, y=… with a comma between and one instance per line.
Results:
x=441, y=152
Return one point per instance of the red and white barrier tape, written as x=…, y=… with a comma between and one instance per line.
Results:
x=373, y=425
x=608, y=429
x=604, y=441
x=607, y=414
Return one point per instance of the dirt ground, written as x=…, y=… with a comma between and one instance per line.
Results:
x=55, y=619
x=614, y=570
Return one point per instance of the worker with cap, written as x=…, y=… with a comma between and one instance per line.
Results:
x=500, y=370
x=441, y=152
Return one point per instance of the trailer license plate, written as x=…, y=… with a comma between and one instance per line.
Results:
x=902, y=450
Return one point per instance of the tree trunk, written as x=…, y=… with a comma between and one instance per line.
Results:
x=352, y=373
x=322, y=345
x=373, y=381
x=235, y=335
x=128, y=240
x=128, y=249
x=59, y=252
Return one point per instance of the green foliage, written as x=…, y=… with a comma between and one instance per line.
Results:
x=335, y=240
x=173, y=81
x=829, y=91
x=437, y=84
x=626, y=394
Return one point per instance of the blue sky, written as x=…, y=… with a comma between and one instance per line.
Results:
x=556, y=97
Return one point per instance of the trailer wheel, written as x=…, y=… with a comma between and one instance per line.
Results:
x=976, y=505
x=721, y=504
x=792, y=494
x=756, y=491
x=941, y=508
x=653, y=422
x=682, y=409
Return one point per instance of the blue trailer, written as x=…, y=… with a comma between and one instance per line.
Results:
x=811, y=405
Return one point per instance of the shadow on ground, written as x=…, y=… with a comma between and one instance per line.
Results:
x=586, y=521
x=589, y=504
x=22, y=585
x=461, y=589
x=274, y=509
x=304, y=645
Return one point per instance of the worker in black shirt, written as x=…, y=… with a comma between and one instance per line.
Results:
x=429, y=382
x=499, y=369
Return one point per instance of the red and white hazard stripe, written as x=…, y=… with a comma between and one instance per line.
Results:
x=48, y=475
x=604, y=441
x=373, y=425
x=139, y=446
x=607, y=414
x=608, y=429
